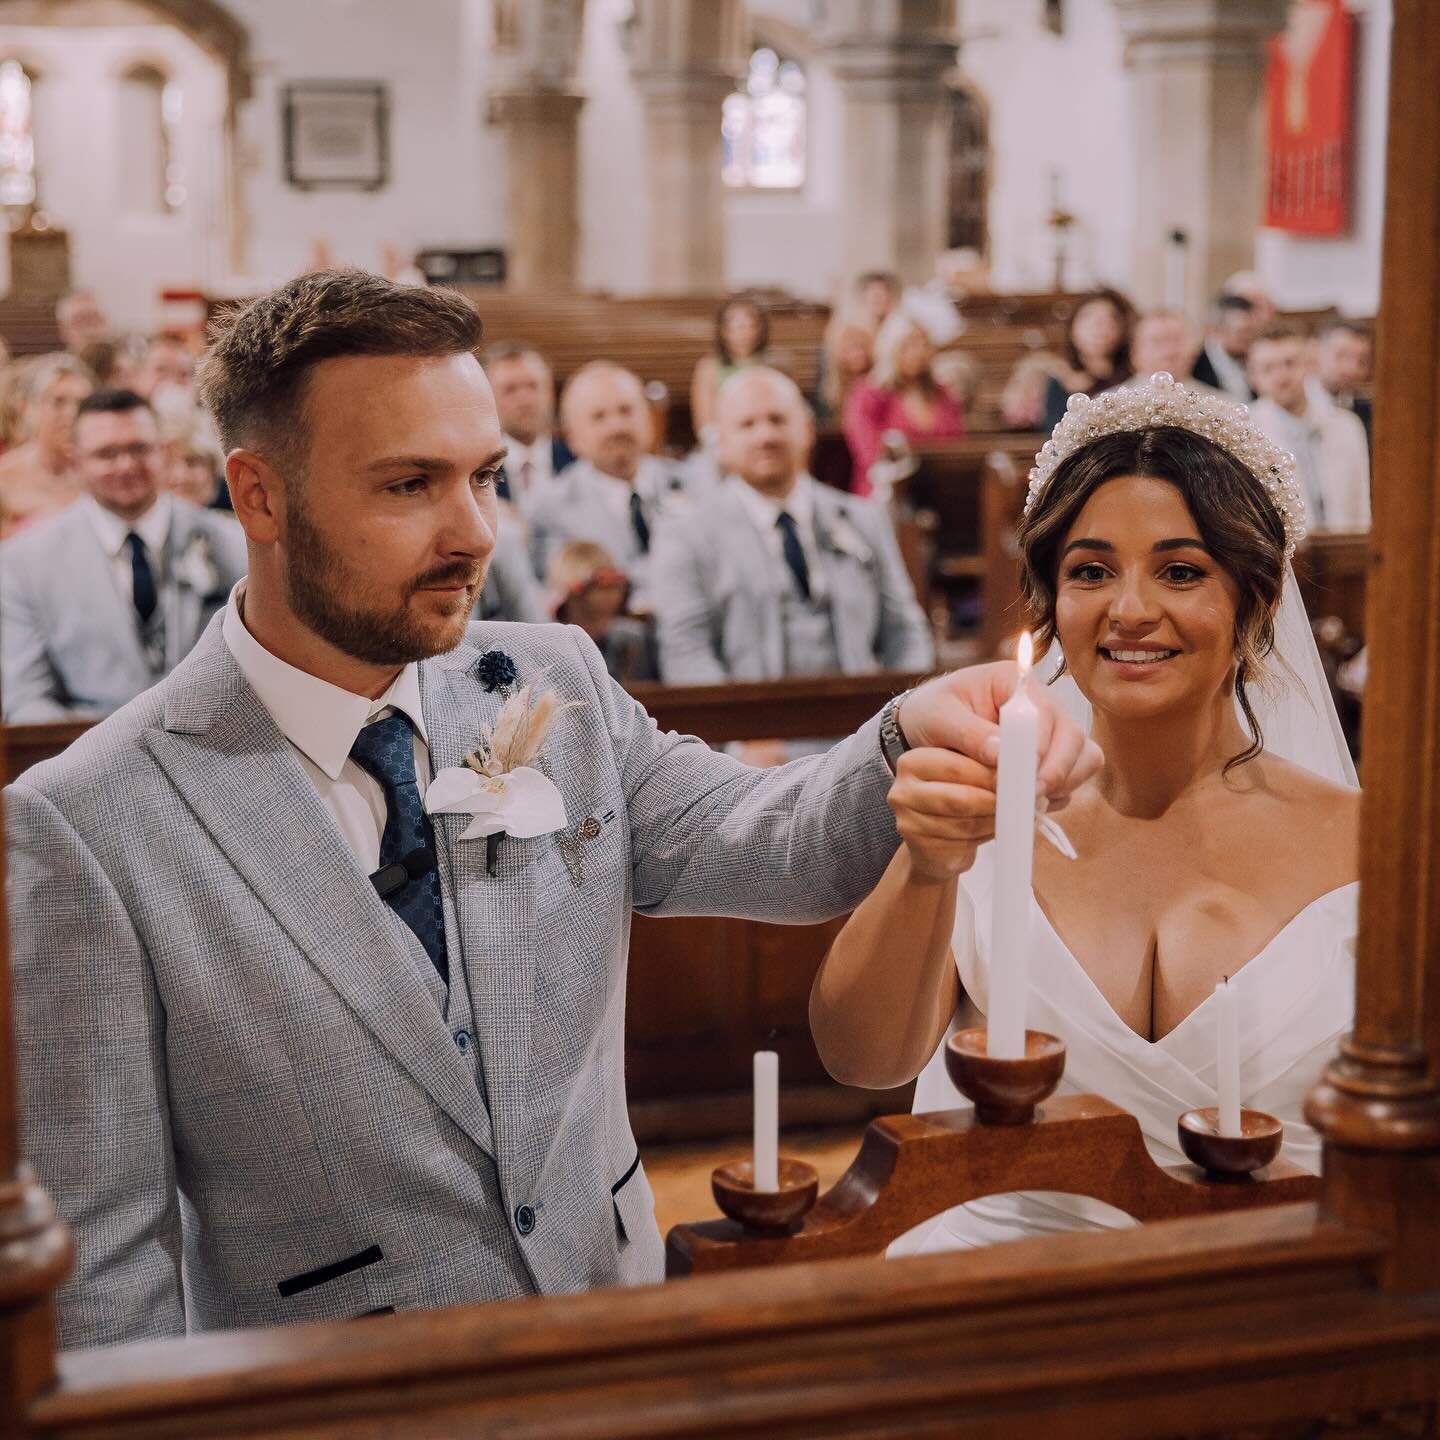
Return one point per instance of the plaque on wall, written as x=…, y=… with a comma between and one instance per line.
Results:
x=337, y=135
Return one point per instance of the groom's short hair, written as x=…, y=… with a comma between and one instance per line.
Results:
x=253, y=377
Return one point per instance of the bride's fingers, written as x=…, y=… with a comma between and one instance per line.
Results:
x=1061, y=752
x=955, y=801
x=915, y=825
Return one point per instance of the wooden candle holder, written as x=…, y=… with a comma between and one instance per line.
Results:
x=1230, y=1157
x=1005, y=1091
x=913, y=1167
x=766, y=1212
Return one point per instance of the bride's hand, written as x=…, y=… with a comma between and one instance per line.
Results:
x=961, y=712
x=944, y=807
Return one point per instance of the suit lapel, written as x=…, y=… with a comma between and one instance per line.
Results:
x=495, y=914
x=244, y=784
x=836, y=539
x=114, y=613
x=185, y=600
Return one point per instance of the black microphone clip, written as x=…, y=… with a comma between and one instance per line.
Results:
x=391, y=879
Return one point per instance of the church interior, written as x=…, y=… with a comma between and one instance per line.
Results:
x=932, y=232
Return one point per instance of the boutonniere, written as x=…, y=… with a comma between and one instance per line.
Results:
x=195, y=567
x=498, y=785
x=845, y=539
x=496, y=671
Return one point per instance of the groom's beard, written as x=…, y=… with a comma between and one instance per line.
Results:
x=333, y=599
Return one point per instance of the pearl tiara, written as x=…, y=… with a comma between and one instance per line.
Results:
x=1164, y=401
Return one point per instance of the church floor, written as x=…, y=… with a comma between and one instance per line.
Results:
x=680, y=1173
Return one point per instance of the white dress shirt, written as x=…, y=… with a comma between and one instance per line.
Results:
x=1230, y=372
x=527, y=466
x=321, y=721
x=153, y=528
x=764, y=512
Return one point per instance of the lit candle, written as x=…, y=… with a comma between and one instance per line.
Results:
x=1014, y=856
x=1227, y=1058
x=767, y=1120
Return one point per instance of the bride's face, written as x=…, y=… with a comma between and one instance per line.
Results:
x=1145, y=616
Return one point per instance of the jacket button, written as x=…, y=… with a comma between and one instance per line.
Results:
x=524, y=1219
x=462, y=1041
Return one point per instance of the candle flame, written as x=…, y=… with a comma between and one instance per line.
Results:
x=1025, y=653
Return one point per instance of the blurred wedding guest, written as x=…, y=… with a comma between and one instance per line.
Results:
x=113, y=362
x=81, y=320
x=166, y=369
x=524, y=390
x=1331, y=456
x=1097, y=352
x=1221, y=363
x=742, y=337
x=1344, y=357
x=586, y=589
x=99, y=602
x=1248, y=285
x=875, y=297
x=511, y=591
x=845, y=360
x=901, y=393
x=1162, y=344
x=616, y=493
x=1022, y=401
x=39, y=476
x=772, y=574
x=194, y=462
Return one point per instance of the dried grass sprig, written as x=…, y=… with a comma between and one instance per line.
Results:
x=519, y=733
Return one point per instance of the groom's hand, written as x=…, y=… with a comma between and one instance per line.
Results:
x=961, y=712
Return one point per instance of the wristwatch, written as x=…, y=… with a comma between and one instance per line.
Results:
x=893, y=743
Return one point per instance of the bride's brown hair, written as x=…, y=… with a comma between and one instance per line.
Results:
x=1240, y=527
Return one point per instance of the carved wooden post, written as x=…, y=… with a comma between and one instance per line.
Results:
x=34, y=1245
x=1379, y=1104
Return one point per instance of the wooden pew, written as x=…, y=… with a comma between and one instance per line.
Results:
x=1331, y=568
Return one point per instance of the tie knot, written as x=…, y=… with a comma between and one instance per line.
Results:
x=136, y=544
x=785, y=520
x=386, y=750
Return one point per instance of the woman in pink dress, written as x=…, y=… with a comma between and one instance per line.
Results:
x=900, y=394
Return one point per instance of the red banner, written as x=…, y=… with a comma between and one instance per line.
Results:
x=1308, y=99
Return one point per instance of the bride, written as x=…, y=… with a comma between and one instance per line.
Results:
x=1219, y=838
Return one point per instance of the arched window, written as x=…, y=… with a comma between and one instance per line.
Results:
x=17, y=141
x=149, y=173
x=763, y=126
x=969, y=172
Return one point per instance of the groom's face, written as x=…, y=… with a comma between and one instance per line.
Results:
x=389, y=530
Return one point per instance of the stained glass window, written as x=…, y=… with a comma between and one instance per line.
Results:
x=763, y=126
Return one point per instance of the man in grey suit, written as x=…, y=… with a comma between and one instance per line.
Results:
x=773, y=574
x=616, y=494
x=295, y=1048
x=99, y=602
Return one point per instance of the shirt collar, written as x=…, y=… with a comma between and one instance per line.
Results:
x=537, y=453
x=319, y=719
x=153, y=527
x=765, y=511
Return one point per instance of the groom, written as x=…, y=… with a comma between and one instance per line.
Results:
x=289, y=1049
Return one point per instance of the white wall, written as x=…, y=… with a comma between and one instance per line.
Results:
x=127, y=256
x=1304, y=272
x=447, y=182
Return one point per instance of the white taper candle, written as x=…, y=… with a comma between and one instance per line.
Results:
x=767, y=1120
x=1014, y=859
x=1227, y=1058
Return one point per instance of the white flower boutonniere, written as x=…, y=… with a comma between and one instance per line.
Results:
x=195, y=566
x=845, y=539
x=499, y=786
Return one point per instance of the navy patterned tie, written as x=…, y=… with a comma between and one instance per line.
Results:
x=386, y=750
x=143, y=579
x=794, y=551
x=639, y=524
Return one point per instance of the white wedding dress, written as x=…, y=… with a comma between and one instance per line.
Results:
x=1295, y=999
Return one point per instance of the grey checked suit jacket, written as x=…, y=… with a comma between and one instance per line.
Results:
x=69, y=642
x=717, y=589
x=232, y=1056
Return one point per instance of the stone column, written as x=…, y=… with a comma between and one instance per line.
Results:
x=1198, y=67
x=537, y=104
x=891, y=58
x=686, y=58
